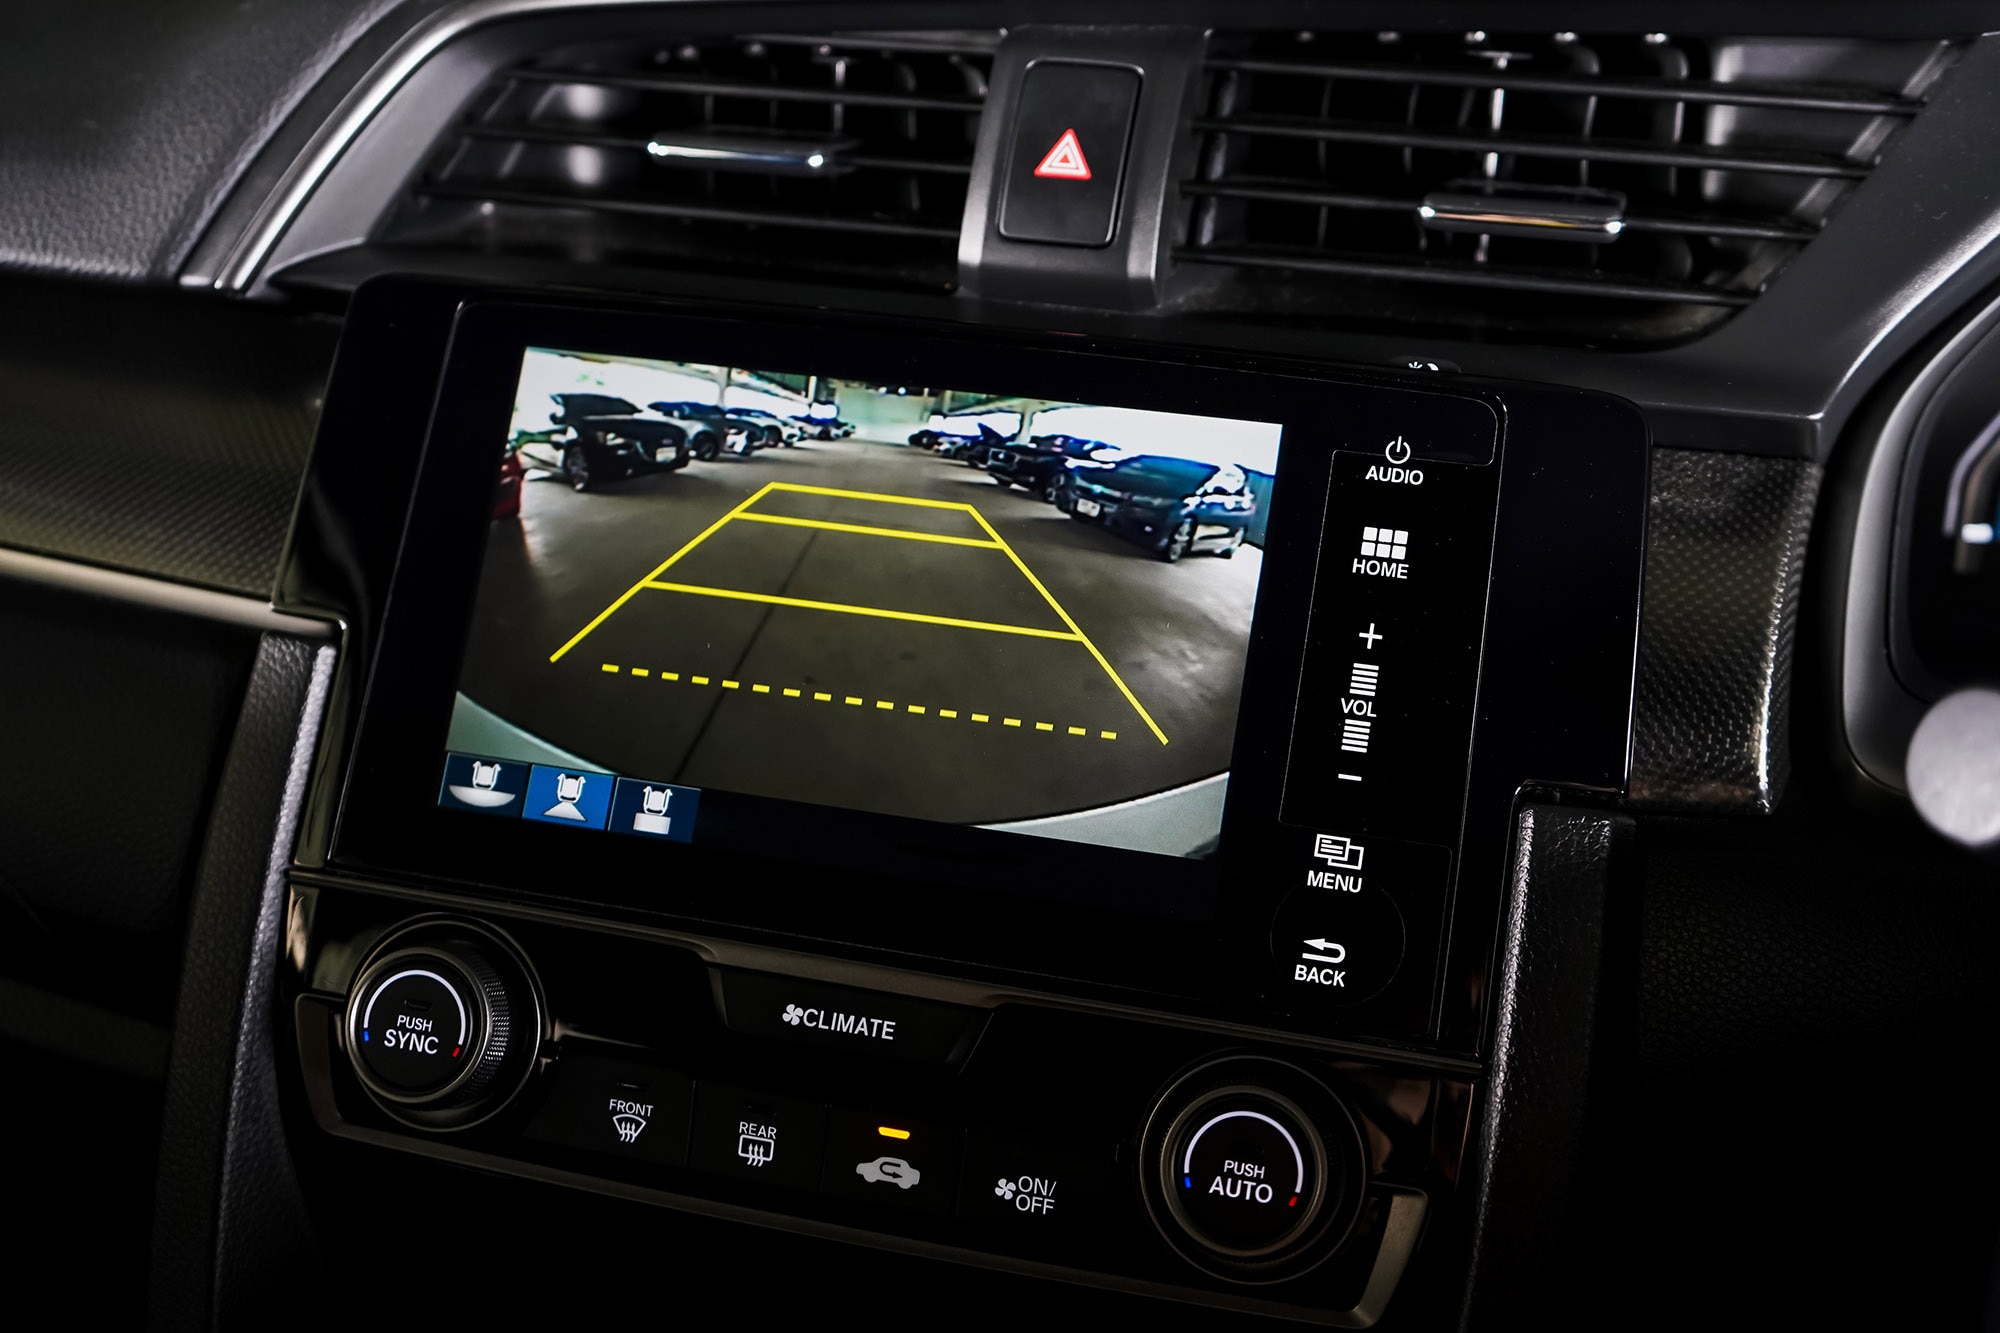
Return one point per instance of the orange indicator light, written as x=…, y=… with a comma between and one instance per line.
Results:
x=889, y=1133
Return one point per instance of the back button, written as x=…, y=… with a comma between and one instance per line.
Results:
x=1336, y=946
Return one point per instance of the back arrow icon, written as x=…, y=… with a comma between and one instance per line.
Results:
x=1335, y=953
x=1398, y=451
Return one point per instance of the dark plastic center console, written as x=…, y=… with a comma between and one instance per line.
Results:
x=1232, y=1056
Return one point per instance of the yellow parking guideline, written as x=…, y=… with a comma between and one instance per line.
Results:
x=1075, y=629
x=881, y=612
x=864, y=530
x=839, y=494
x=660, y=569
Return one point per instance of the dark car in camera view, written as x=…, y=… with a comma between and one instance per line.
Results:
x=607, y=439
x=1173, y=506
x=954, y=438
x=1037, y=465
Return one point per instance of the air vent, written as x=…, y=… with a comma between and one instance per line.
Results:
x=833, y=155
x=1561, y=186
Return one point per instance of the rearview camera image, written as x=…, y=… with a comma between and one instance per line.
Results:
x=961, y=607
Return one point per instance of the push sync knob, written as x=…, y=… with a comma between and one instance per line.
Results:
x=433, y=1027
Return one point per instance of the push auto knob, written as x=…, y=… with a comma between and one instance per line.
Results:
x=1258, y=1169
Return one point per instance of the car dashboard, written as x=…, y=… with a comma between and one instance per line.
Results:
x=1313, y=662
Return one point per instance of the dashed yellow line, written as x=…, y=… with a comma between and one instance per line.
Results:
x=860, y=701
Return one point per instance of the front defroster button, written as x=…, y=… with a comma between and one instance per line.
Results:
x=616, y=1107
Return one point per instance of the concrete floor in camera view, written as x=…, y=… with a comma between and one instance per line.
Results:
x=1175, y=634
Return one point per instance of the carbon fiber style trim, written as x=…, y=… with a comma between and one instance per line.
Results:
x=1726, y=542
x=156, y=432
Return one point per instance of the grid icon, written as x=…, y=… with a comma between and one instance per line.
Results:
x=1386, y=543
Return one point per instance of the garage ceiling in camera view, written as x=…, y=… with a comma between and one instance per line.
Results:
x=851, y=595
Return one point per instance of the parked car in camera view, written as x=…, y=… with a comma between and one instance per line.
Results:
x=740, y=434
x=960, y=444
x=1037, y=466
x=948, y=439
x=824, y=428
x=789, y=432
x=1173, y=506
x=607, y=439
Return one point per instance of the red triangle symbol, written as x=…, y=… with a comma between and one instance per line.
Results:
x=1065, y=161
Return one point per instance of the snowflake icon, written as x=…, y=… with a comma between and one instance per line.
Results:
x=1005, y=1189
x=794, y=1015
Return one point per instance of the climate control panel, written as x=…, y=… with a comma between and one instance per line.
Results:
x=999, y=1130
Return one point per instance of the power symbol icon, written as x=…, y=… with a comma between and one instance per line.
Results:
x=1398, y=451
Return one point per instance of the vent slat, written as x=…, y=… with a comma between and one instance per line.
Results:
x=628, y=143
x=1692, y=224
x=1464, y=275
x=689, y=211
x=1657, y=90
x=1697, y=156
x=745, y=90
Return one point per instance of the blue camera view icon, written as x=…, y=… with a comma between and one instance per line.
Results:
x=655, y=810
x=485, y=786
x=573, y=796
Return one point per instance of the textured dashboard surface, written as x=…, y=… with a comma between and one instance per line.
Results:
x=123, y=123
x=1725, y=556
x=1544, y=1044
x=155, y=432
x=114, y=720
x=1814, y=995
x=226, y=1188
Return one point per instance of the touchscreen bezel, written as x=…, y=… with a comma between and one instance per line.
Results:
x=1008, y=903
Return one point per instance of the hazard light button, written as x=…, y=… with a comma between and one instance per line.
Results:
x=1068, y=160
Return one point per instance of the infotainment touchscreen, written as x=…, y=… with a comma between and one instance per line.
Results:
x=946, y=604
